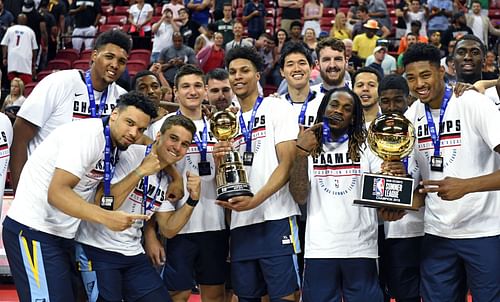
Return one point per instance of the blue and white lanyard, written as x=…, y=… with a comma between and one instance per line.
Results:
x=247, y=133
x=145, y=187
x=430, y=121
x=90, y=91
x=302, y=115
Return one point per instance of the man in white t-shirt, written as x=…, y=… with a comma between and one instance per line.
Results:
x=19, y=50
x=66, y=96
x=341, y=238
x=118, y=259
x=266, y=142
x=56, y=184
x=456, y=151
x=163, y=31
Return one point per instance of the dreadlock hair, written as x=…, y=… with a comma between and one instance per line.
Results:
x=356, y=131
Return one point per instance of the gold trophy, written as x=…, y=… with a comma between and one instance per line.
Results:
x=231, y=177
x=392, y=137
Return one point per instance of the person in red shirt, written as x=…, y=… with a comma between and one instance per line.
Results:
x=212, y=56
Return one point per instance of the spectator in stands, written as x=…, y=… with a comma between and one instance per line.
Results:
x=416, y=13
x=37, y=23
x=364, y=44
x=363, y=17
x=310, y=40
x=175, y=6
x=295, y=31
x=140, y=15
x=352, y=14
x=490, y=68
x=457, y=29
x=212, y=56
x=14, y=99
x=378, y=10
x=401, y=10
x=435, y=39
x=238, y=40
x=200, y=11
x=381, y=57
x=206, y=38
x=265, y=47
x=415, y=27
x=254, y=13
x=280, y=38
x=218, y=8
x=339, y=29
x=290, y=13
x=450, y=75
x=163, y=31
x=410, y=40
x=480, y=24
x=50, y=22
x=353, y=61
x=189, y=29
x=86, y=15
x=445, y=54
x=225, y=25
x=19, y=50
x=53, y=43
x=6, y=19
x=313, y=12
x=175, y=56
x=440, y=11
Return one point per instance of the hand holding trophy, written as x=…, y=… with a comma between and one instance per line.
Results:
x=392, y=137
x=231, y=177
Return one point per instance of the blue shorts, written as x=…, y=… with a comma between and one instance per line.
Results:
x=276, y=276
x=402, y=267
x=444, y=262
x=41, y=264
x=336, y=280
x=196, y=257
x=124, y=277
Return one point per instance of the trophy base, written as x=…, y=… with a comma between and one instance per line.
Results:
x=227, y=192
x=383, y=191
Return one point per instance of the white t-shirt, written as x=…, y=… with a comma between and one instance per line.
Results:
x=206, y=216
x=492, y=94
x=20, y=41
x=275, y=122
x=418, y=16
x=128, y=242
x=163, y=37
x=477, y=27
x=175, y=10
x=467, y=141
x=60, y=98
x=312, y=106
x=5, y=143
x=335, y=227
x=141, y=15
x=77, y=148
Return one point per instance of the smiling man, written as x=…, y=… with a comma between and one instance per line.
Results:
x=468, y=57
x=219, y=92
x=70, y=95
x=332, y=63
x=456, y=150
x=365, y=85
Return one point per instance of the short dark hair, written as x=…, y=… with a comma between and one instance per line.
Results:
x=141, y=74
x=216, y=74
x=422, y=52
x=411, y=34
x=366, y=69
x=248, y=53
x=212, y=27
x=178, y=120
x=186, y=70
x=138, y=100
x=470, y=37
x=333, y=43
x=295, y=47
x=476, y=1
x=362, y=8
x=116, y=37
x=295, y=23
x=393, y=81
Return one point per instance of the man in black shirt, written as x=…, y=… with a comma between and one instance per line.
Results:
x=87, y=15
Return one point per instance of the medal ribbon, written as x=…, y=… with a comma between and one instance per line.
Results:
x=430, y=121
x=302, y=115
x=90, y=91
x=145, y=187
x=109, y=168
x=247, y=133
x=203, y=143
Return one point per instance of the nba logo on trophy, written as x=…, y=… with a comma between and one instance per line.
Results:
x=379, y=187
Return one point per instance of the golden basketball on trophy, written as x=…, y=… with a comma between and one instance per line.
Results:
x=391, y=137
x=231, y=177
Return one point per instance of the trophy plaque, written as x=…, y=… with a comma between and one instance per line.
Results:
x=231, y=177
x=391, y=137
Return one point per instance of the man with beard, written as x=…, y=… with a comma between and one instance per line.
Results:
x=57, y=182
x=70, y=95
x=332, y=64
x=365, y=85
x=457, y=149
x=219, y=92
x=341, y=239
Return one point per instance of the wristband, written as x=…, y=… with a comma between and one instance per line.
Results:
x=303, y=149
x=192, y=202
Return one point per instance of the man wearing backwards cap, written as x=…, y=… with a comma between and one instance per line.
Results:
x=364, y=44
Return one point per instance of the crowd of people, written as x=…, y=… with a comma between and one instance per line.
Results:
x=115, y=179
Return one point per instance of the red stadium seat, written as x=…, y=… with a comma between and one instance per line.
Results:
x=42, y=74
x=126, y=28
x=155, y=19
x=107, y=10
x=28, y=88
x=68, y=54
x=58, y=64
x=120, y=20
x=136, y=65
x=143, y=55
x=158, y=10
x=328, y=12
x=82, y=64
x=85, y=54
x=121, y=10
x=326, y=21
x=106, y=27
x=269, y=89
x=102, y=20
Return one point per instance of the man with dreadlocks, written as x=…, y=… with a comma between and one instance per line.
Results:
x=341, y=239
